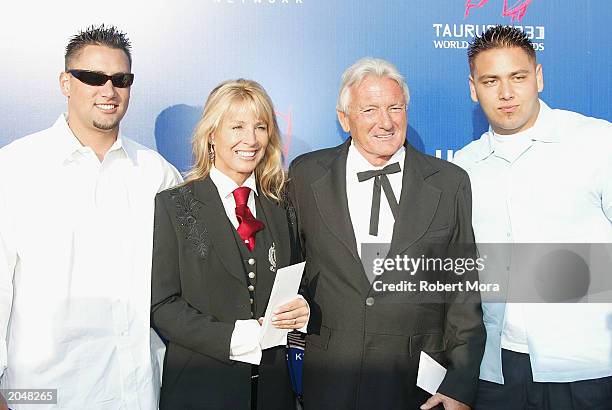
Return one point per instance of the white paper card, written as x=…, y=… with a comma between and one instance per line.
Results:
x=285, y=289
x=430, y=375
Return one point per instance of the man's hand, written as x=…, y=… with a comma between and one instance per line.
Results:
x=292, y=315
x=3, y=403
x=447, y=402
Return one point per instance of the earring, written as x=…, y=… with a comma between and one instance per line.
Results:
x=211, y=153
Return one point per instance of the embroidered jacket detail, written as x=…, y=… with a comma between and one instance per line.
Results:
x=187, y=208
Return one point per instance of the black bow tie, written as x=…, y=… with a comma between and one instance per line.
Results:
x=381, y=179
x=389, y=169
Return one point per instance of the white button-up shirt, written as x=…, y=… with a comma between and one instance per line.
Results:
x=359, y=196
x=226, y=187
x=559, y=190
x=75, y=266
x=244, y=344
x=514, y=333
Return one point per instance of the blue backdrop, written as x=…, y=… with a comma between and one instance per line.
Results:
x=297, y=50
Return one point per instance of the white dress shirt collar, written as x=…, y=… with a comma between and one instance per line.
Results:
x=511, y=147
x=356, y=162
x=66, y=144
x=359, y=197
x=226, y=186
x=541, y=131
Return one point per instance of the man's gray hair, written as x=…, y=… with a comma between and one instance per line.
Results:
x=362, y=68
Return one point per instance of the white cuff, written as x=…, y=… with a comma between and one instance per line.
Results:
x=158, y=351
x=303, y=328
x=244, y=345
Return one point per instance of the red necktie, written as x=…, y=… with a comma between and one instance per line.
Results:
x=248, y=226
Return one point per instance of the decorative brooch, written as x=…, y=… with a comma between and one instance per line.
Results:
x=272, y=257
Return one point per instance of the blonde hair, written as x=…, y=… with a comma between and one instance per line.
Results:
x=269, y=172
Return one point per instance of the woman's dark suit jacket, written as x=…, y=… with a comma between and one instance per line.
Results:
x=199, y=290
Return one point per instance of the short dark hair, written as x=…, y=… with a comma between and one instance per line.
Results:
x=500, y=37
x=102, y=35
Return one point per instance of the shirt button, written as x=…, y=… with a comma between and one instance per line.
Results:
x=251, y=288
x=251, y=261
x=370, y=301
x=252, y=275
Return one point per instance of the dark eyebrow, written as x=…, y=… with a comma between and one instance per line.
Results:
x=512, y=74
x=485, y=76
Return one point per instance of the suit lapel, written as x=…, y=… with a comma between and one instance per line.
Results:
x=219, y=227
x=276, y=216
x=330, y=196
x=418, y=202
x=332, y=205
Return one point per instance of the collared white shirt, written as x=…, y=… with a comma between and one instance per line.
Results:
x=226, y=187
x=514, y=332
x=75, y=270
x=244, y=345
x=359, y=196
x=559, y=190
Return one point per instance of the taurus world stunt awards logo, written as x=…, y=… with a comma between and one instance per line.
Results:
x=457, y=35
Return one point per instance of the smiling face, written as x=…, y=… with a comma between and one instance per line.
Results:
x=377, y=118
x=240, y=142
x=97, y=109
x=506, y=83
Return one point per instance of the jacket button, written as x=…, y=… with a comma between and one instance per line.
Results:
x=252, y=275
x=251, y=288
x=251, y=261
x=370, y=301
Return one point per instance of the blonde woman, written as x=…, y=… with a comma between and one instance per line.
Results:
x=219, y=239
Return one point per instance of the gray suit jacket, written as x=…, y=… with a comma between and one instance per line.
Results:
x=363, y=346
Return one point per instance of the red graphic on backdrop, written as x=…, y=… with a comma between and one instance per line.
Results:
x=288, y=132
x=473, y=4
x=515, y=12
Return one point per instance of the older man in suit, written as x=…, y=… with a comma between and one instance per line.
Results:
x=364, y=343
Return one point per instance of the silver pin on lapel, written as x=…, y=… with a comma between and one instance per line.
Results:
x=272, y=257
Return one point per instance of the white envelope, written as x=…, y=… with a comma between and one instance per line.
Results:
x=285, y=289
x=430, y=375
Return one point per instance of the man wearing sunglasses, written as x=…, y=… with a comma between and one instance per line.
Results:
x=76, y=225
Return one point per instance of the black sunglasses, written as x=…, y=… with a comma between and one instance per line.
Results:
x=96, y=78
